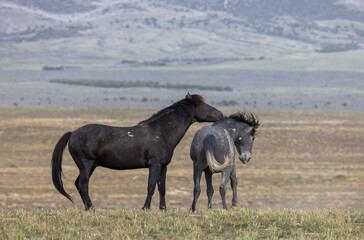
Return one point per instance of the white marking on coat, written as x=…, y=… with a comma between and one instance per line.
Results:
x=157, y=137
x=130, y=135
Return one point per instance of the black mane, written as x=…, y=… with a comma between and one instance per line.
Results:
x=246, y=117
x=179, y=106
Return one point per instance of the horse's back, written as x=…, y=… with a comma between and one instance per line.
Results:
x=91, y=135
x=111, y=147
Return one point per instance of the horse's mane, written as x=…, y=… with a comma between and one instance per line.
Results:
x=179, y=107
x=246, y=117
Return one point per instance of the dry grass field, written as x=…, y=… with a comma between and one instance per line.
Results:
x=301, y=160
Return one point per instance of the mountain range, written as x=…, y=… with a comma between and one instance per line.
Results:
x=111, y=32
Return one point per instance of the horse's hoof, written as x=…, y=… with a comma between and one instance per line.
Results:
x=145, y=208
x=91, y=209
x=164, y=209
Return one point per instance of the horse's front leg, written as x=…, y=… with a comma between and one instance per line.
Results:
x=162, y=189
x=154, y=176
x=224, y=181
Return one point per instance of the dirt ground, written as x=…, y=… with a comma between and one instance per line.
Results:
x=301, y=160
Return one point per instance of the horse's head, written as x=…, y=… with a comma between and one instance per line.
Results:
x=204, y=112
x=244, y=134
x=244, y=144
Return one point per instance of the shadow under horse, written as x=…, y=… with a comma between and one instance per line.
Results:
x=212, y=150
x=150, y=144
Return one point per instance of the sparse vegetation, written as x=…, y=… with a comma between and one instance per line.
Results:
x=341, y=47
x=58, y=6
x=52, y=68
x=183, y=61
x=137, y=84
x=227, y=103
x=181, y=224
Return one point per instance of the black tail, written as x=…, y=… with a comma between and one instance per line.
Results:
x=57, y=164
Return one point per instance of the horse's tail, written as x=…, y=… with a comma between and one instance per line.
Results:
x=57, y=164
x=214, y=165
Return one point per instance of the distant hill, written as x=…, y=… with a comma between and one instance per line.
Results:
x=56, y=6
x=267, y=9
x=108, y=32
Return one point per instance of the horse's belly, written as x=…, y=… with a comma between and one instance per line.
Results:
x=121, y=160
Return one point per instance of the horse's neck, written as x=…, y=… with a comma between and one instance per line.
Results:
x=178, y=126
x=174, y=127
x=229, y=126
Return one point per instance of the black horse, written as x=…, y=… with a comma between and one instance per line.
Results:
x=212, y=150
x=150, y=144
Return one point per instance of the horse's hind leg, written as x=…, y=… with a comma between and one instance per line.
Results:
x=196, y=190
x=224, y=181
x=86, y=168
x=234, y=185
x=81, y=183
x=210, y=188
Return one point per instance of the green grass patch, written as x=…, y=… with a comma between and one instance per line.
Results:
x=181, y=224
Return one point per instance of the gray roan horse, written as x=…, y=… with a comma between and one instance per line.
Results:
x=149, y=144
x=212, y=150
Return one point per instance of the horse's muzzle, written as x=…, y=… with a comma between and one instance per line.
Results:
x=245, y=158
x=217, y=116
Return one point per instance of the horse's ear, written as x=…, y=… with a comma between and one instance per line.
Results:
x=188, y=96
